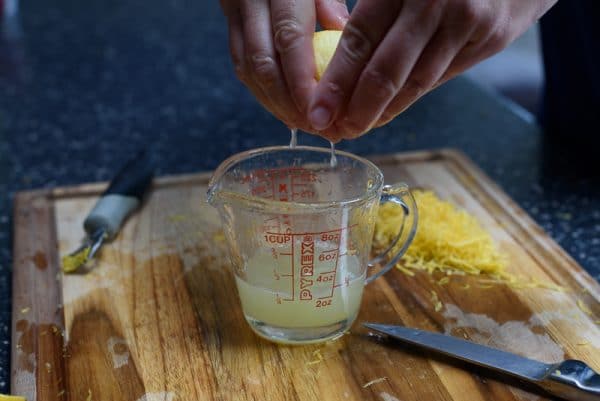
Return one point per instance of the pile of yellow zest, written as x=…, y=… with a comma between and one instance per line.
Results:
x=70, y=263
x=447, y=239
x=4, y=397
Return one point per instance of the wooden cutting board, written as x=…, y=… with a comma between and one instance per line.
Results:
x=158, y=318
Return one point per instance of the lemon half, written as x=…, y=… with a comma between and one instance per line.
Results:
x=324, y=45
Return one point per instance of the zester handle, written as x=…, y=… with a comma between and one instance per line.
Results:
x=123, y=196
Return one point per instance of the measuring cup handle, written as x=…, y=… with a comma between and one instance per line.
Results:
x=400, y=195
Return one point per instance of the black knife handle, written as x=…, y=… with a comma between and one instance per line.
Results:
x=573, y=380
x=124, y=194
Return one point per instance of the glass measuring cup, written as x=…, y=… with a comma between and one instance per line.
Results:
x=300, y=232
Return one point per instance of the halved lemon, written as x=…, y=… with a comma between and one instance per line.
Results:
x=324, y=45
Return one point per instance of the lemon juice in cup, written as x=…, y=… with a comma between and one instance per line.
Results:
x=267, y=296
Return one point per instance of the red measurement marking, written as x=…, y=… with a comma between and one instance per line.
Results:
x=337, y=230
x=337, y=259
x=328, y=272
x=326, y=278
x=293, y=269
x=272, y=233
x=278, y=238
x=272, y=189
x=272, y=226
x=320, y=304
x=346, y=283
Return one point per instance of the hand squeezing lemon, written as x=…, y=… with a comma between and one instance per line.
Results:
x=324, y=45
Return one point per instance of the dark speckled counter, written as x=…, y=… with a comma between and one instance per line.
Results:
x=85, y=84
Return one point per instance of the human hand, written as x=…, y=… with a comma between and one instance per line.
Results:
x=393, y=52
x=271, y=47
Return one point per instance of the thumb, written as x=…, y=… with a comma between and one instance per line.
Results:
x=332, y=14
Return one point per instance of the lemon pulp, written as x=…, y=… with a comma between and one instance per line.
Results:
x=324, y=45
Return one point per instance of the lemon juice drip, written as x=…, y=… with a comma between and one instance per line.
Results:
x=294, y=137
x=333, y=160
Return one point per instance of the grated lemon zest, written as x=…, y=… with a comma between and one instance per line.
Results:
x=444, y=280
x=219, y=236
x=449, y=240
x=176, y=218
x=379, y=380
x=319, y=358
x=446, y=238
x=70, y=263
x=437, y=304
x=584, y=307
x=4, y=397
x=405, y=270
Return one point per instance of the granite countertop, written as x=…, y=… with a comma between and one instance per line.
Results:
x=85, y=84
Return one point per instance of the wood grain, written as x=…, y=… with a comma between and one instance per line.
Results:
x=158, y=317
x=37, y=325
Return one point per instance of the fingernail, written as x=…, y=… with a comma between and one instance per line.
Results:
x=319, y=117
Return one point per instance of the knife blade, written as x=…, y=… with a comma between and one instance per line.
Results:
x=123, y=196
x=570, y=379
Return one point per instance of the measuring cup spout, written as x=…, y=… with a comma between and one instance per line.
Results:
x=226, y=183
x=213, y=193
x=211, y=196
x=221, y=193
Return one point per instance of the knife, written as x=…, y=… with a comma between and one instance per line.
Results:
x=122, y=197
x=570, y=379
